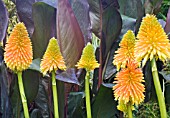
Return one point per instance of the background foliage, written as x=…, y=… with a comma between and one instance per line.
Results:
x=74, y=23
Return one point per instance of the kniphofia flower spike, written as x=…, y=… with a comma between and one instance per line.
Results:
x=152, y=44
x=126, y=50
x=18, y=57
x=18, y=49
x=88, y=62
x=52, y=59
x=152, y=41
x=129, y=87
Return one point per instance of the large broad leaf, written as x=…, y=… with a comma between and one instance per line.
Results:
x=24, y=11
x=167, y=95
x=149, y=85
x=3, y=20
x=5, y=106
x=96, y=9
x=81, y=11
x=68, y=76
x=69, y=34
x=131, y=8
x=167, y=26
x=31, y=86
x=45, y=27
x=42, y=101
x=104, y=105
x=152, y=6
x=110, y=69
x=111, y=27
x=75, y=105
x=35, y=114
x=35, y=65
x=95, y=15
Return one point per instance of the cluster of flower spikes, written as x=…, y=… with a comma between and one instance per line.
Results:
x=87, y=60
x=18, y=49
x=52, y=59
x=128, y=88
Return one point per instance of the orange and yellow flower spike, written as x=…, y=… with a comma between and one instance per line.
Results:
x=88, y=62
x=18, y=49
x=52, y=61
x=128, y=86
x=152, y=44
x=126, y=50
x=152, y=41
x=18, y=57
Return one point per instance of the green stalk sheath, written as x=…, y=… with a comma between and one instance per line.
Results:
x=158, y=89
x=55, y=96
x=22, y=94
x=87, y=92
x=129, y=110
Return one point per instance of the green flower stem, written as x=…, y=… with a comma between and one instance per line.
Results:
x=55, y=97
x=87, y=92
x=158, y=89
x=22, y=93
x=129, y=110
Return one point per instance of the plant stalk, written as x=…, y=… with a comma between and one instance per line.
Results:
x=129, y=110
x=158, y=89
x=55, y=97
x=87, y=92
x=22, y=94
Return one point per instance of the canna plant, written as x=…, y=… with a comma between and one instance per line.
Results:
x=51, y=62
x=18, y=57
x=73, y=22
x=153, y=44
x=128, y=88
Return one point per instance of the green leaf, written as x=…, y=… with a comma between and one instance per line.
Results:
x=166, y=75
x=35, y=65
x=111, y=27
x=35, y=114
x=31, y=84
x=152, y=6
x=104, y=105
x=45, y=27
x=150, y=93
x=42, y=101
x=75, y=105
x=68, y=76
x=131, y=8
x=167, y=95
